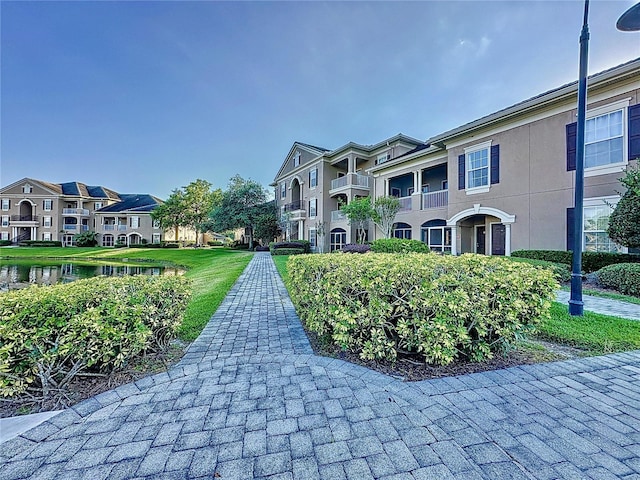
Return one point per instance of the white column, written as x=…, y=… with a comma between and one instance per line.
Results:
x=386, y=187
x=454, y=240
x=14, y=232
x=34, y=233
x=416, y=183
x=507, y=239
x=301, y=230
x=351, y=164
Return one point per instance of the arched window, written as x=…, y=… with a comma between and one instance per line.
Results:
x=437, y=235
x=401, y=230
x=338, y=239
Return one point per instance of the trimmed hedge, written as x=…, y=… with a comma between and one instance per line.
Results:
x=262, y=248
x=624, y=277
x=304, y=244
x=50, y=334
x=215, y=243
x=5, y=243
x=591, y=261
x=560, y=270
x=40, y=243
x=398, y=245
x=288, y=251
x=355, y=248
x=440, y=307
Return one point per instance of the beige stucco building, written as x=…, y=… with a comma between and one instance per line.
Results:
x=500, y=183
x=37, y=210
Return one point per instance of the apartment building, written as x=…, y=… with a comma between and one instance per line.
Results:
x=314, y=182
x=38, y=210
x=506, y=181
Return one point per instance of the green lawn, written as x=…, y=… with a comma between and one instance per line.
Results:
x=213, y=272
x=613, y=296
x=281, y=265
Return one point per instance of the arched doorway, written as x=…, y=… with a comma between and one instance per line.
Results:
x=338, y=239
x=484, y=230
x=401, y=230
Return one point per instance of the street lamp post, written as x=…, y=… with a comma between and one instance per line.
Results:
x=576, y=305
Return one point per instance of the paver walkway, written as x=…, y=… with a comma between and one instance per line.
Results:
x=604, y=305
x=250, y=400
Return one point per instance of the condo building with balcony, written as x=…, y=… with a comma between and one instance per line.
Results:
x=37, y=210
x=497, y=184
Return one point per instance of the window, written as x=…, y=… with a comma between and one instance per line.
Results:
x=401, y=230
x=425, y=188
x=5, y=204
x=410, y=191
x=4, y=235
x=26, y=188
x=383, y=157
x=283, y=190
x=604, y=139
x=122, y=239
x=313, y=207
x=97, y=205
x=437, y=235
x=478, y=168
x=595, y=224
x=134, y=222
x=396, y=192
x=156, y=224
x=313, y=239
x=296, y=160
x=5, y=220
x=107, y=240
x=46, y=221
x=445, y=185
x=47, y=205
x=46, y=236
x=155, y=238
x=313, y=178
x=338, y=239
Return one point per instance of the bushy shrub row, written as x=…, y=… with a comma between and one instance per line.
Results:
x=40, y=243
x=624, y=277
x=262, y=248
x=398, y=245
x=440, y=307
x=561, y=271
x=5, y=243
x=304, y=244
x=288, y=251
x=591, y=261
x=50, y=334
x=355, y=248
x=215, y=243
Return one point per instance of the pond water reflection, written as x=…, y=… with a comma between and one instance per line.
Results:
x=19, y=275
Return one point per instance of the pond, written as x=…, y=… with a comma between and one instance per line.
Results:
x=22, y=273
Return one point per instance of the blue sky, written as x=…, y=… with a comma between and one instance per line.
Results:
x=143, y=97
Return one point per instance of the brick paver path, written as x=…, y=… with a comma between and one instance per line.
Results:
x=250, y=400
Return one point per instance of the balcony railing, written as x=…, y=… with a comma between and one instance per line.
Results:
x=405, y=204
x=351, y=180
x=293, y=206
x=108, y=228
x=25, y=218
x=122, y=228
x=435, y=199
x=84, y=228
x=70, y=227
x=338, y=215
x=75, y=211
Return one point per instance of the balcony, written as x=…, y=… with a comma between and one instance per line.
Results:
x=293, y=206
x=437, y=199
x=109, y=228
x=25, y=218
x=70, y=227
x=337, y=216
x=351, y=180
x=295, y=210
x=75, y=211
x=405, y=204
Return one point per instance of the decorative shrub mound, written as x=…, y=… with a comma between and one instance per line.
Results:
x=398, y=245
x=591, y=261
x=262, y=248
x=5, y=243
x=624, y=277
x=288, y=251
x=215, y=243
x=305, y=245
x=355, y=248
x=562, y=271
x=440, y=307
x=50, y=334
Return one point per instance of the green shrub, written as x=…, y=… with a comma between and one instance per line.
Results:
x=288, y=251
x=40, y=243
x=5, y=243
x=398, y=245
x=169, y=245
x=624, y=277
x=560, y=270
x=50, y=334
x=85, y=239
x=215, y=243
x=304, y=244
x=355, y=248
x=441, y=307
x=591, y=261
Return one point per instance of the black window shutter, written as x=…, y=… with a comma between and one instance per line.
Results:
x=634, y=132
x=572, y=129
x=570, y=222
x=461, y=172
x=495, y=164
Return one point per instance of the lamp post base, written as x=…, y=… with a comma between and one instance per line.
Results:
x=576, y=308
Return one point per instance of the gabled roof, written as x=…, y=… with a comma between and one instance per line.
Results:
x=317, y=151
x=102, y=192
x=52, y=187
x=132, y=202
x=370, y=148
x=628, y=69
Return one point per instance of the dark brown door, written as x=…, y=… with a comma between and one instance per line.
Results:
x=481, y=234
x=497, y=239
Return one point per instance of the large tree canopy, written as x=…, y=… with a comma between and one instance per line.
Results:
x=624, y=222
x=240, y=206
x=171, y=213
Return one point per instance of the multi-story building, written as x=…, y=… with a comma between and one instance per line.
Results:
x=37, y=210
x=314, y=182
x=506, y=181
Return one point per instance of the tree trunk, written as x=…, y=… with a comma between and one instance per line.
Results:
x=176, y=232
x=250, y=238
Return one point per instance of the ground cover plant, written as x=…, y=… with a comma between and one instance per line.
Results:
x=442, y=308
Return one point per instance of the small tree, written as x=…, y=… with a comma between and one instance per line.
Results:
x=624, y=222
x=384, y=213
x=321, y=231
x=199, y=201
x=85, y=239
x=267, y=226
x=358, y=213
x=171, y=213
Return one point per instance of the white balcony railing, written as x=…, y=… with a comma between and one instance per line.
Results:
x=75, y=211
x=122, y=228
x=405, y=204
x=70, y=227
x=435, y=199
x=108, y=228
x=351, y=180
x=338, y=215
